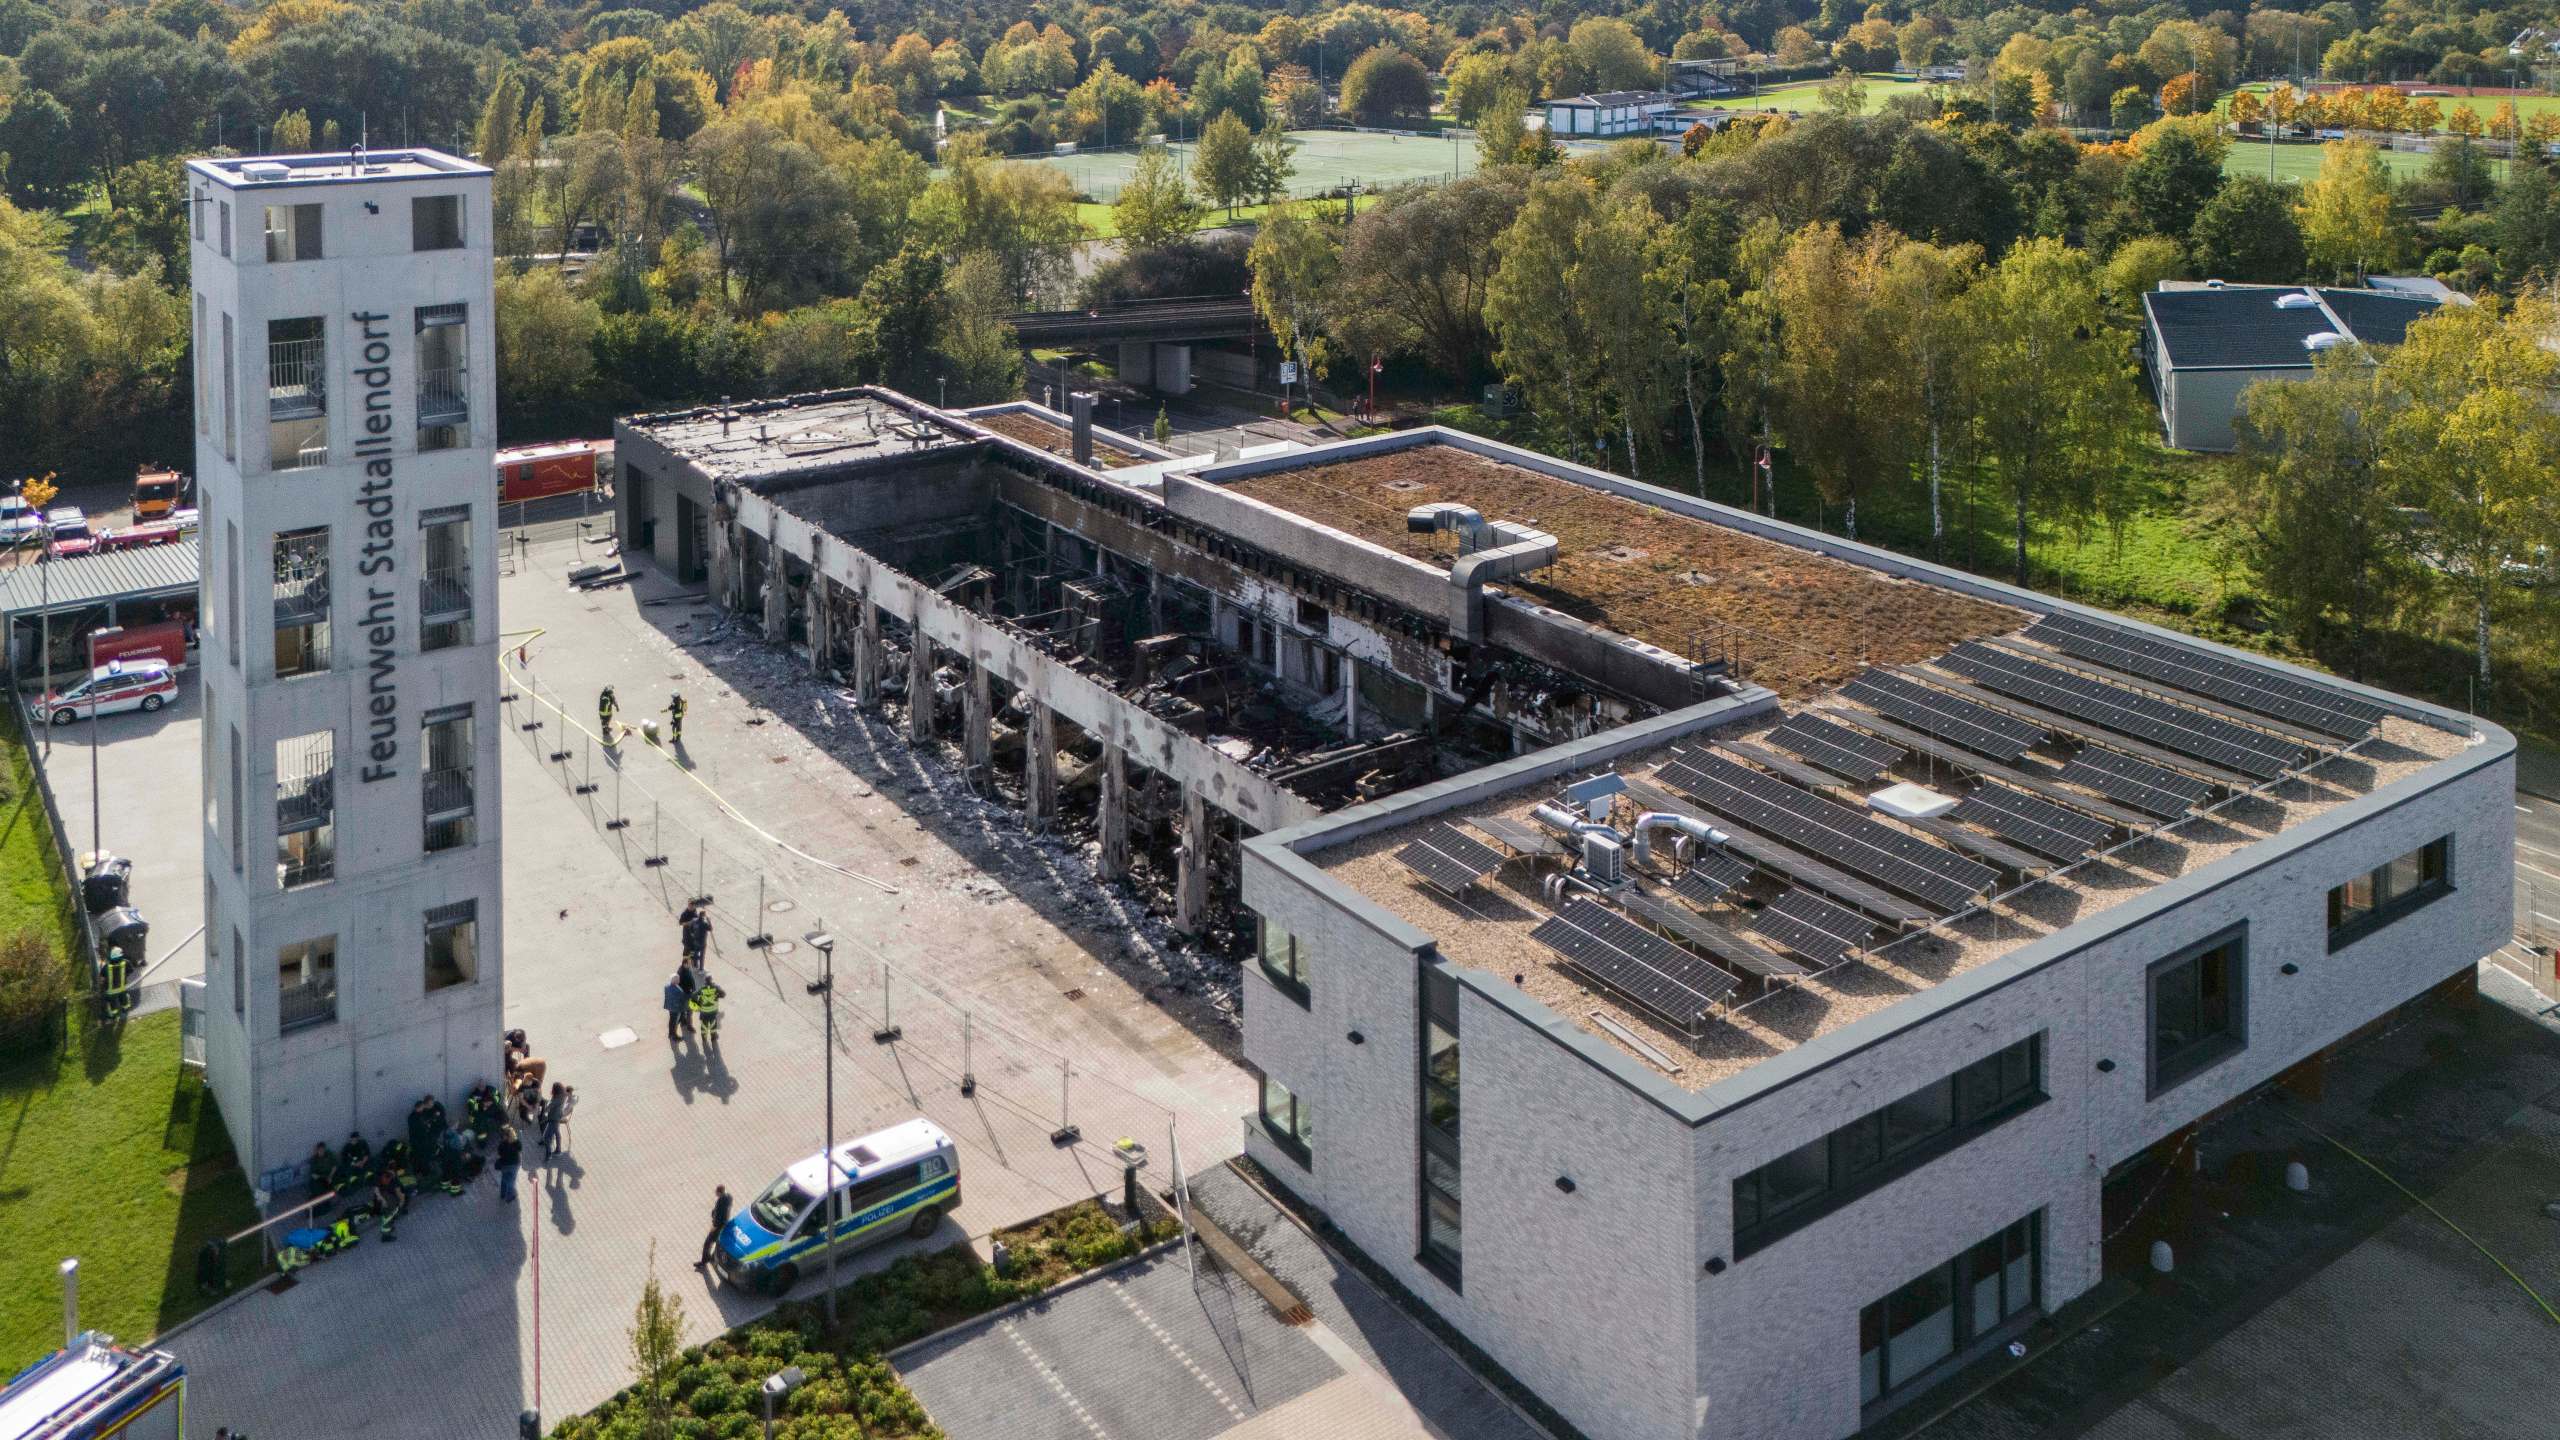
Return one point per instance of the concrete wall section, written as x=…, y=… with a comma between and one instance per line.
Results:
x=1149, y=741
x=1615, y=662
x=1348, y=558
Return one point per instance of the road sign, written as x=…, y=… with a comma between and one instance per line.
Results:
x=1288, y=372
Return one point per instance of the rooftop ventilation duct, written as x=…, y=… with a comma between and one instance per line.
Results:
x=1488, y=550
x=1689, y=825
x=1556, y=817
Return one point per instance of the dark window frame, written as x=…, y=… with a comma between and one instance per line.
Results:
x=2167, y=1072
x=1291, y=981
x=423, y=229
x=1968, y=1339
x=1438, y=993
x=2389, y=907
x=1286, y=1137
x=1860, y=1158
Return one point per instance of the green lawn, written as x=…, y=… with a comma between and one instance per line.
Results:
x=1102, y=224
x=2299, y=160
x=1805, y=96
x=109, y=1152
x=32, y=889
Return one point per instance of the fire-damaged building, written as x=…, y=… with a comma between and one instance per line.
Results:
x=1144, y=647
x=1739, y=978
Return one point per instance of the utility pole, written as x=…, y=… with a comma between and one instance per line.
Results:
x=826, y=990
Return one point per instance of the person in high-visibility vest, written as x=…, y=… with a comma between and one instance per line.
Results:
x=675, y=718
x=605, y=707
x=706, y=1004
x=115, y=983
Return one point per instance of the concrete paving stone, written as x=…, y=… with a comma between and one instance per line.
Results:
x=435, y=1335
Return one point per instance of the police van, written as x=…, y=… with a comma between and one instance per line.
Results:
x=900, y=1181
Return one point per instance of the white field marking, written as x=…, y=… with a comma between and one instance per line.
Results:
x=1056, y=1385
x=1122, y=1293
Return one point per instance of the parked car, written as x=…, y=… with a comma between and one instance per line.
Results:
x=19, y=522
x=67, y=528
x=144, y=685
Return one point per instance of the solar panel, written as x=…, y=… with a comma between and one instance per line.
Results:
x=1520, y=836
x=1836, y=748
x=2010, y=776
x=2189, y=732
x=1768, y=759
x=1813, y=927
x=1716, y=940
x=2232, y=682
x=1892, y=858
x=2145, y=787
x=1449, y=859
x=1935, y=712
x=1649, y=970
x=1710, y=878
x=2039, y=825
x=1770, y=857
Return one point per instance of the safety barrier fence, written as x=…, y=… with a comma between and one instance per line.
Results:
x=764, y=933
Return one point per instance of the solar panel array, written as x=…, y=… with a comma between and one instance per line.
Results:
x=1813, y=927
x=2138, y=783
x=1770, y=857
x=2232, y=682
x=1649, y=970
x=1520, y=836
x=1935, y=712
x=1716, y=940
x=1449, y=858
x=1709, y=879
x=1836, y=748
x=1786, y=765
x=1893, y=858
x=2038, y=825
x=2233, y=746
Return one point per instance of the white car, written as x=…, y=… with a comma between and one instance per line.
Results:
x=19, y=522
x=144, y=685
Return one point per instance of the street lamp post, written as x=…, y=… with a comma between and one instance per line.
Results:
x=776, y=1385
x=826, y=988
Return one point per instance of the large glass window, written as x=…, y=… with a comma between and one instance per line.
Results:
x=1442, y=1220
x=2384, y=894
x=435, y=222
x=444, y=376
x=1913, y=1335
x=453, y=945
x=302, y=601
x=1285, y=1120
x=293, y=233
x=1284, y=960
x=306, y=809
x=2199, y=1015
x=307, y=983
x=449, y=799
x=1883, y=1145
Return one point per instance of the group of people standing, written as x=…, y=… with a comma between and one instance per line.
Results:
x=608, y=725
x=691, y=996
x=437, y=1149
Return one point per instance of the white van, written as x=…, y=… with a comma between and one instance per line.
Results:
x=900, y=1181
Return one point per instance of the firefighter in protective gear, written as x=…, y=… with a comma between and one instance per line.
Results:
x=355, y=1163
x=706, y=1007
x=115, y=983
x=605, y=707
x=450, y=1149
x=675, y=718
x=389, y=1200
x=482, y=1112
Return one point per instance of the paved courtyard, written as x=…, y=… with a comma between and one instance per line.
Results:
x=149, y=810
x=436, y=1335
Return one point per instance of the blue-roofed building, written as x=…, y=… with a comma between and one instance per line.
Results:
x=2205, y=344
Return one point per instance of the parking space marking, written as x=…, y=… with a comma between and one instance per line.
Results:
x=1056, y=1385
x=1121, y=1291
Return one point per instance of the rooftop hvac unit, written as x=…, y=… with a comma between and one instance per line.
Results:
x=1604, y=858
x=263, y=170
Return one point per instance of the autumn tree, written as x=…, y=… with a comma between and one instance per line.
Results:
x=1386, y=85
x=1155, y=207
x=1223, y=165
x=2348, y=229
x=1295, y=260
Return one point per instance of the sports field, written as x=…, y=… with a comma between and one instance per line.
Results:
x=2446, y=98
x=1803, y=97
x=1326, y=159
x=2299, y=160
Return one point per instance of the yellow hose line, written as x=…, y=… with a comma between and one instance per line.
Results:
x=2393, y=1181
x=732, y=811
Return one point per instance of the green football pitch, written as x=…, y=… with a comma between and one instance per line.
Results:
x=1325, y=160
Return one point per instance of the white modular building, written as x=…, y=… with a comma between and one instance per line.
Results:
x=346, y=425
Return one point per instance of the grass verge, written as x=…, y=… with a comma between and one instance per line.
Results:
x=851, y=1388
x=34, y=893
x=110, y=1152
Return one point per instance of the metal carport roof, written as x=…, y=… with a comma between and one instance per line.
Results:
x=80, y=580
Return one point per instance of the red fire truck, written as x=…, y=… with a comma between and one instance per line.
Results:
x=563, y=467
